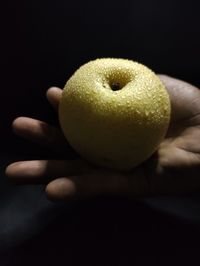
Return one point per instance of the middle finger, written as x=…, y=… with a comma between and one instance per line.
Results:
x=40, y=132
x=42, y=171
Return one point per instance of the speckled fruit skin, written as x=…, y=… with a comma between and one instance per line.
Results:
x=117, y=129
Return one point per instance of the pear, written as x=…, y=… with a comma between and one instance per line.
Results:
x=114, y=112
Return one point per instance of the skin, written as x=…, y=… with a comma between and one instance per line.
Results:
x=172, y=170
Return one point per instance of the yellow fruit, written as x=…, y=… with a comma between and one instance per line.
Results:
x=114, y=112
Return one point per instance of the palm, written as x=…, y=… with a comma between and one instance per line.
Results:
x=172, y=169
x=178, y=158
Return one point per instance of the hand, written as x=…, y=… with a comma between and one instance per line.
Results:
x=173, y=169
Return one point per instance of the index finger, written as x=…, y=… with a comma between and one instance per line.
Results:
x=53, y=95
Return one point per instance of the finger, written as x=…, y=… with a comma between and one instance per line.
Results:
x=42, y=171
x=99, y=183
x=184, y=97
x=40, y=132
x=53, y=95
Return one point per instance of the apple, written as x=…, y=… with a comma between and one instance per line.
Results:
x=114, y=112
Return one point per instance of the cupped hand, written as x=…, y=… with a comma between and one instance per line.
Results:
x=172, y=170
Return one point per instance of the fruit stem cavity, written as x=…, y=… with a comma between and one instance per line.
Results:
x=115, y=86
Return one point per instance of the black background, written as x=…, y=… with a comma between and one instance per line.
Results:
x=42, y=44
